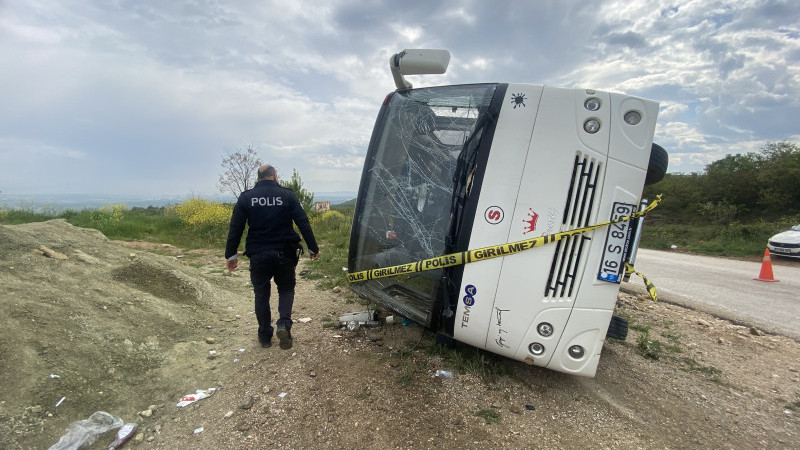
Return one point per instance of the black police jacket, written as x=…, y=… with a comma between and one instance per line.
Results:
x=269, y=210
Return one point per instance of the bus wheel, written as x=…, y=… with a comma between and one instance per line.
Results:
x=617, y=328
x=657, y=168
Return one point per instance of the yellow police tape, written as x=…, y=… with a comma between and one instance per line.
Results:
x=496, y=251
x=651, y=289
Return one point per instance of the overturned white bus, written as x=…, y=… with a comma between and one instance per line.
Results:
x=454, y=168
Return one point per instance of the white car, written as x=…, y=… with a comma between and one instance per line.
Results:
x=786, y=243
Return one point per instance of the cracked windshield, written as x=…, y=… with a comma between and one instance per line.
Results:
x=428, y=139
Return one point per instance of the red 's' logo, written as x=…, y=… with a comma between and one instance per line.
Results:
x=494, y=215
x=530, y=222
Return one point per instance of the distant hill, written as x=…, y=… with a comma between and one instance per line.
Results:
x=335, y=198
x=351, y=204
x=57, y=203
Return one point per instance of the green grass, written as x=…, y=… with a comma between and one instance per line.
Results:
x=466, y=360
x=490, y=416
x=691, y=365
x=20, y=216
x=332, y=231
x=736, y=239
x=652, y=348
x=406, y=376
x=146, y=224
x=649, y=348
x=133, y=225
x=471, y=360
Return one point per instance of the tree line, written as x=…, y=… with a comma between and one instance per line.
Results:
x=755, y=186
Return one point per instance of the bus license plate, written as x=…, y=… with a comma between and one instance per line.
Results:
x=612, y=266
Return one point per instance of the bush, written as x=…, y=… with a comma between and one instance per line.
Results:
x=199, y=214
x=720, y=212
x=331, y=221
x=207, y=222
x=109, y=215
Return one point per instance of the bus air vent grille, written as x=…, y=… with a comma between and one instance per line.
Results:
x=580, y=198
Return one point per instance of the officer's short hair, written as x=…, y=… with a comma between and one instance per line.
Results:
x=266, y=171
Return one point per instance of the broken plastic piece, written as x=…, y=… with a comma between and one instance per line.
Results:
x=123, y=435
x=199, y=395
x=354, y=325
x=358, y=317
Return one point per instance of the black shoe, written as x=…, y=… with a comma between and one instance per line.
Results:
x=266, y=343
x=285, y=337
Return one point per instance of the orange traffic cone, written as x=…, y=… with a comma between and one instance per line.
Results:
x=766, y=269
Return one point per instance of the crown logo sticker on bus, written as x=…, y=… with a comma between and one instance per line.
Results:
x=530, y=222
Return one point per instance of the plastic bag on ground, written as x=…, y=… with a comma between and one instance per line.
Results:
x=83, y=433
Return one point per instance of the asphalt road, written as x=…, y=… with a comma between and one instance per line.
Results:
x=725, y=288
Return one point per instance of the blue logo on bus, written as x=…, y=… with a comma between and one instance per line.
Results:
x=469, y=299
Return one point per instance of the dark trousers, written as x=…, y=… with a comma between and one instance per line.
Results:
x=264, y=267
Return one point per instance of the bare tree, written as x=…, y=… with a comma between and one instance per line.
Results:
x=239, y=171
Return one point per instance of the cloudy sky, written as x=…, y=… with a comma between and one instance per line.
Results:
x=147, y=97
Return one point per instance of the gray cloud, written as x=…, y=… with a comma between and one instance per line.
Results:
x=150, y=95
x=627, y=39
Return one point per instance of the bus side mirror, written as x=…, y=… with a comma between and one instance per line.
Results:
x=417, y=62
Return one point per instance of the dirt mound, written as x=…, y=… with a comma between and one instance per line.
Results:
x=104, y=327
x=160, y=279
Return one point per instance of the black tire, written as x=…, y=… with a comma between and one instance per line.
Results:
x=657, y=168
x=617, y=328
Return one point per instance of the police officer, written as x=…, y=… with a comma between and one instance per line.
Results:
x=273, y=248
